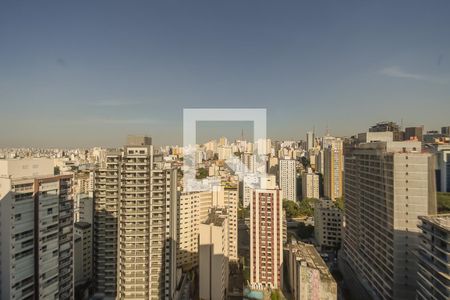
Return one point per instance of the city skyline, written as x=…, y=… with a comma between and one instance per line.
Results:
x=232, y=132
x=223, y=150
x=133, y=68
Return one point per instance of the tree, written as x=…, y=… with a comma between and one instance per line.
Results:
x=443, y=202
x=340, y=203
x=275, y=295
x=305, y=231
x=306, y=207
x=201, y=173
x=243, y=212
x=291, y=208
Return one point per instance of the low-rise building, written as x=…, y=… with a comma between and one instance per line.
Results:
x=309, y=277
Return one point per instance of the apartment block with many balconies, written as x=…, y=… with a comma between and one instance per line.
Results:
x=36, y=232
x=433, y=278
x=136, y=215
x=387, y=186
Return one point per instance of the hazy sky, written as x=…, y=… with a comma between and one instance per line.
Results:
x=84, y=73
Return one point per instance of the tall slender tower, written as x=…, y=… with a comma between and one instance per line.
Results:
x=333, y=169
x=288, y=179
x=266, y=238
x=142, y=210
x=106, y=205
x=309, y=140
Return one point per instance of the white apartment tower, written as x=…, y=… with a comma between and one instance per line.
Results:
x=193, y=209
x=309, y=140
x=388, y=185
x=36, y=231
x=188, y=227
x=266, y=238
x=248, y=160
x=310, y=185
x=227, y=196
x=135, y=224
x=288, y=179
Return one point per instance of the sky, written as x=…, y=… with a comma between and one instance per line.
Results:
x=87, y=73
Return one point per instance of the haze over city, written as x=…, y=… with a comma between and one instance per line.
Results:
x=109, y=68
x=225, y=150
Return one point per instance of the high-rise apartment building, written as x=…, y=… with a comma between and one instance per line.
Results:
x=84, y=208
x=397, y=133
x=288, y=179
x=188, y=226
x=250, y=182
x=433, y=278
x=309, y=140
x=333, y=169
x=194, y=208
x=310, y=185
x=213, y=255
x=36, y=231
x=106, y=214
x=387, y=186
x=135, y=223
x=309, y=277
x=376, y=136
x=230, y=196
x=82, y=253
x=263, y=146
x=327, y=224
x=319, y=157
x=84, y=182
x=187, y=230
x=414, y=133
x=248, y=160
x=445, y=130
x=443, y=159
x=266, y=238
x=224, y=152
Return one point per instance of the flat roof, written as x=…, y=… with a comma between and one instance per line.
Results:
x=82, y=225
x=307, y=253
x=216, y=217
x=442, y=220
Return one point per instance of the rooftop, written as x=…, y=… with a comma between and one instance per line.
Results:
x=82, y=225
x=442, y=220
x=216, y=217
x=307, y=253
